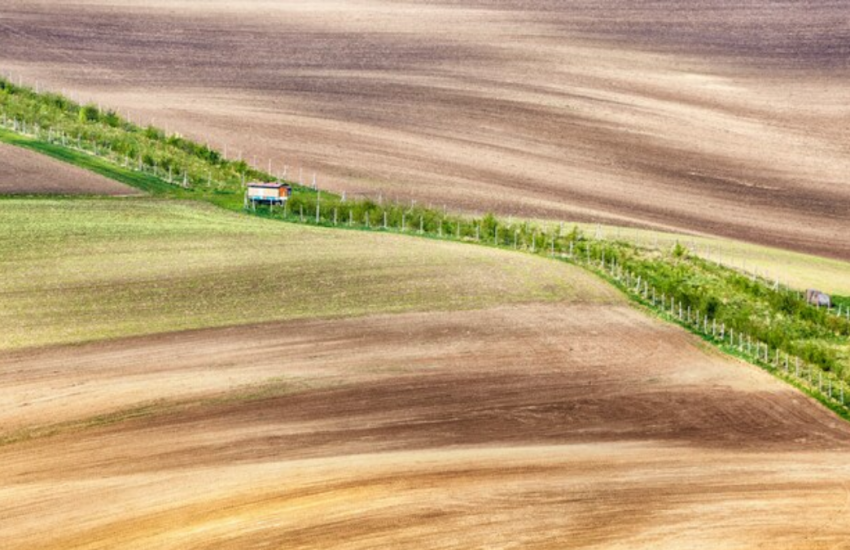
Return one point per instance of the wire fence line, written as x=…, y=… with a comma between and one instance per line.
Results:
x=825, y=386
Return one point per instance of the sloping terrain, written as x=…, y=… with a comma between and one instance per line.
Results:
x=25, y=172
x=725, y=117
x=83, y=270
x=535, y=426
x=178, y=376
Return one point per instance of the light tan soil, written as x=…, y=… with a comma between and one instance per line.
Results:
x=24, y=172
x=724, y=117
x=540, y=426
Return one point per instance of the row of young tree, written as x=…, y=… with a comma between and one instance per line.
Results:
x=332, y=210
x=780, y=318
x=55, y=118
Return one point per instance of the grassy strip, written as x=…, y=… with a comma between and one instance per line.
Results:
x=775, y=316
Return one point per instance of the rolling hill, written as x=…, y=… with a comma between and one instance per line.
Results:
x=727, y=118
x=180, y=374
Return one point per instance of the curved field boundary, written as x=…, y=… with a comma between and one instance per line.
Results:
x=827, y=388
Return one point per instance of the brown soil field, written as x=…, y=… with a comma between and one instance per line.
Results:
x=727, y=118
x=25, y=172
x=535, y=426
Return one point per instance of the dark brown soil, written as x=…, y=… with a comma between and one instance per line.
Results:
x=24, y=172
x=545, y=426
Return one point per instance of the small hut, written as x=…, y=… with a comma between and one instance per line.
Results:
x=268, y=193
x=818, y=298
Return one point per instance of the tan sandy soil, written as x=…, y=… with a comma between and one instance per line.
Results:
x=28, y=173
x=724, y=117
x=540, y=426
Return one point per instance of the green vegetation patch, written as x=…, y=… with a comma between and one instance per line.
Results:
x=793, y=268
x=88, y=269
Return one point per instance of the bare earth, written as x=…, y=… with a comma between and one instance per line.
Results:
x=538, y=426
x=728, y=118
x=24, y=172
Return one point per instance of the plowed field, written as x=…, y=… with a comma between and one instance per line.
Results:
x=724, y=117
x=25, y=172
x=557, y=426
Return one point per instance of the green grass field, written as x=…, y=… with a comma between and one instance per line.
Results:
x=87, y=269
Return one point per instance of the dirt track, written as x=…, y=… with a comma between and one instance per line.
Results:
x=536, y=426
x=724, y=117
x=24, y=172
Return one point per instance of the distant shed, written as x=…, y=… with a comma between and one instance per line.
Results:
x=818, y=298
